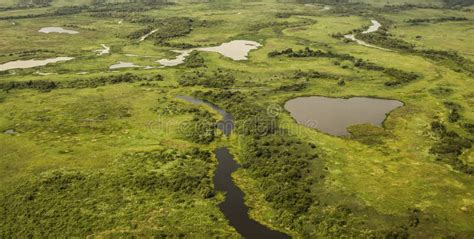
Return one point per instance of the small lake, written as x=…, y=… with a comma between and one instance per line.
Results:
x=57, y=30
x=334, y=115
x=236, y=50
x=176, y=61
x=23, y=64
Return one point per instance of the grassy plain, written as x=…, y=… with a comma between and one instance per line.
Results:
x=68, y=160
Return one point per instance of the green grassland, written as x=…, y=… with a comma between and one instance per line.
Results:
x=113, y=159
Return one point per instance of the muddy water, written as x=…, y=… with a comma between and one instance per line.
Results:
x=105, y=50
x=144, y=37
x=122, y=64
x=334, y=115
x=176, y=61
x=233, y=207
x=57, y=30
x=236, y=50
x=373, y=28
x=22, y=64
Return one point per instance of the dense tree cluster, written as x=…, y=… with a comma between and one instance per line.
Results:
x=416, y=21
x=167, y=29
x=28, y=52
x=469, y=127
x=450, y=146
x=45, y=85
x=84, y=202
x=385, y=39
x=217, y=79
x=274, y=159
x=441, y=91
x=170, y=28
x=139, y=33
x=271, y=155
x=61, y=11
x=454, y=109
x=458, y=3
x=406, y=7
x=299, y=74
x=448, y=58
x=293, y=87
x=34, y=3
x=201, y=128
x=294, y=13
x=194, y=60
x=278, y=26
x=398, y=76
x=125, y=10
x=250, y=119
x=190, y=175
x=166, y=106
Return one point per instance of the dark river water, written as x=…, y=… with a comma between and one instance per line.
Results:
x=233, y=207
x=333, y=115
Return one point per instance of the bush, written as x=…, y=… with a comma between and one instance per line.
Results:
x=78, y=203
x=218, y=79
x=46, y=86
x=201, y=129
x=450, y=146
x=399, y=76
x=269, y=154
x=194, y=60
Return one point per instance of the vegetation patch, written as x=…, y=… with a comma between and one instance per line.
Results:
x=450, y=146
x=217, y=79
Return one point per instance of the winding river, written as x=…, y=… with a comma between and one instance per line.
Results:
x=233, y=207
x=373, y=28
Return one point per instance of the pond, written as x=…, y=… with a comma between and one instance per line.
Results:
x=233, y=207
x=236, y=50
x=334, y=115
x=23, y=64
x=176, y=61
x=57, y=30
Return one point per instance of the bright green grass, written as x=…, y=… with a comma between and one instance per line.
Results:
x=390, y=178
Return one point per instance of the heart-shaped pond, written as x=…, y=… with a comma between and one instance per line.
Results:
x=334, y=115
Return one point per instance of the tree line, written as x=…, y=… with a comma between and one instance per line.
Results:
x=398, y=76
x=47, y=85
x=217, y=79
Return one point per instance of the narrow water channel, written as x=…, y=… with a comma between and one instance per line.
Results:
x=233, y=207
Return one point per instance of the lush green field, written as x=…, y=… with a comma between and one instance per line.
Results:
x=84, y=156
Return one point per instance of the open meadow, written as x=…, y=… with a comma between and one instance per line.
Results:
x=103, y=145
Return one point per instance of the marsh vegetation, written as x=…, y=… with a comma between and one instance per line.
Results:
x=103, y=143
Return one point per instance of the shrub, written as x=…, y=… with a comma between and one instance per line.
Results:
x=217, y=79
x=194, y=60
x=450, y=146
